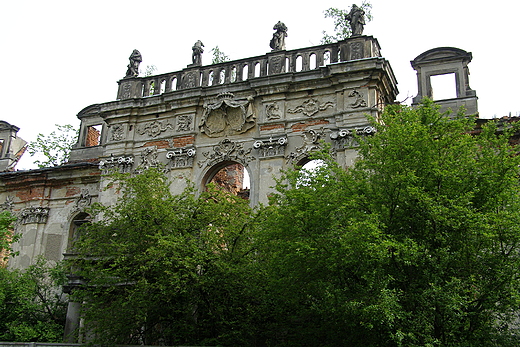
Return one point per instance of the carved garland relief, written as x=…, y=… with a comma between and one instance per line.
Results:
x=154, y=128
x=310, y=107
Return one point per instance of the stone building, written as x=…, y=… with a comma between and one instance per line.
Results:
x=249, y=117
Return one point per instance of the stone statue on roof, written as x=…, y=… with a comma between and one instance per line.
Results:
x=133, y=67
x=196, y=56
x=278, y=41
x=356, y=18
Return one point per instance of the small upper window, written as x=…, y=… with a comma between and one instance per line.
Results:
x=93, y=137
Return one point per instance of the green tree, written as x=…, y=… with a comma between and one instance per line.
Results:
x=342, y=28
x=32, y=307
x=55, y=147
x=417, y=244
x=166, y=269
x=7, y=237
x=218, y=56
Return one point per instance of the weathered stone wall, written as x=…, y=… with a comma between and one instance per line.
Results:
x=260, y=113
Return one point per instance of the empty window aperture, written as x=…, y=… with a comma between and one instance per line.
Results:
x=443, y=86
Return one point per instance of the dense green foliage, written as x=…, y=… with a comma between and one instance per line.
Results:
x=53, y=149
x=164, y=268
x=417, y=244
x=32, y=307
x=7, y=238
x=342, y=29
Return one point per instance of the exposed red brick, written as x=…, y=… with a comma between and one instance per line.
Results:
x=179, y=142
x=72, y=191
x=92, y=137
x=31, y=194
x=301, y=126
x=271, y=126
x=159, y=144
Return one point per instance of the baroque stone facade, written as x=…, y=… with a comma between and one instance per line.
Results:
x=254, y=116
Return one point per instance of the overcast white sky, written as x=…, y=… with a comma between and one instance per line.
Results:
x=61, y=56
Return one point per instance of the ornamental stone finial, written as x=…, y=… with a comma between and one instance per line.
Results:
x=356, y=18
x=278, y=41
x=133, y=67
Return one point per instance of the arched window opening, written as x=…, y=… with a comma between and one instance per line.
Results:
x=174, y=83
x=299, y=63
x=231, y=177
x=257, y=70
x=312, y=61
x=234, y=74
x=287, y=64
x=210, y=78
x=309, y=171
x=326, y=58
x=245, y=72
x=152, y=88
x=222, y=76
x=75, y=229
x=163, y=86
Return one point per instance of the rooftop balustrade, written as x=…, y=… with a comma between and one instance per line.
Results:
x=272, y=63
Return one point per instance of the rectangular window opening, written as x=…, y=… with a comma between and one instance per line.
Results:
x=443, y=86
x=93, y=135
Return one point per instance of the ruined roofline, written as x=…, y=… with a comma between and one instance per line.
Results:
x=272, y=63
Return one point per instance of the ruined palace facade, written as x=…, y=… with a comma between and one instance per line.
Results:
x=265, y=113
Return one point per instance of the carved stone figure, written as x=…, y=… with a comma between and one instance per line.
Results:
x=196, y=56
x=133, y=67
x=278, y=41
x=356, y=18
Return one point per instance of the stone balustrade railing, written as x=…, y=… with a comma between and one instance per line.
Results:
x=273, y=63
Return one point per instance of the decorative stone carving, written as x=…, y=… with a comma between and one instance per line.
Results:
x=276, y=65
x=180, y=157
x=126, y=90
x=117, y=132
x=189, y=80
x=356, y=18
x=154, y=128
x=8, y=204
x=356, y=51
x=310, y=143
x=184, y=122
x=133, y=67
x=122, y=164
x=271, y=147
x=311, y=107
x=278, y=41
x=36, y=215
x=359, y=101
x=272, y=111
x=227, y=116
x=149, y=158
x=344, y=138
x=226, y=150
x=196, y=56
x=82, y=201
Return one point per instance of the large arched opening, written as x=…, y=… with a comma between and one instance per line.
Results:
x=229, y=176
